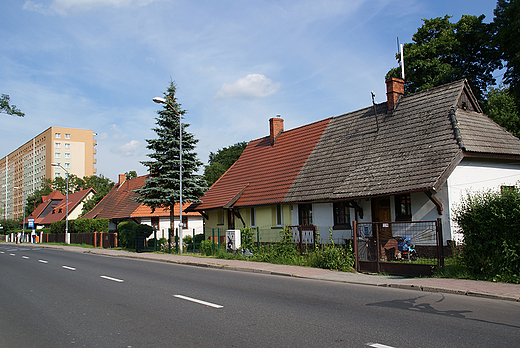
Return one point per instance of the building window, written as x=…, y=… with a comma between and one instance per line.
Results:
x=57, y=145
x=67, y=136
x=67, y=165
x=403, y=207
x=220, y=217
x=67, y=145
x=342, y=214
x=57, y=175
x=57, y=135
x=231, y=220
x=279, y=215
x=253, y=217
x=184, y=221
x=305, y=214
x=67, y=155
x=57, y=155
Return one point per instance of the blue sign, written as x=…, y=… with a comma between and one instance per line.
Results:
x=30, y=222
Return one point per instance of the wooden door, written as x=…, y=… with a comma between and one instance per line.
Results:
x=381, y=213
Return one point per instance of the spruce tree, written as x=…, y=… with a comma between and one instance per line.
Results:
x=161, y=190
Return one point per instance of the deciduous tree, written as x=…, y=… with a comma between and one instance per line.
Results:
x=219, y=162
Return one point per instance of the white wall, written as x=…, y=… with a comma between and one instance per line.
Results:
x=473, y=175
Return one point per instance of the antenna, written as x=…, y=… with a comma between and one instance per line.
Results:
x=402, y=61
x=375, y=110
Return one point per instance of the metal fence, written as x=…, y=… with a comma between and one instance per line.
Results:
x=410, y=248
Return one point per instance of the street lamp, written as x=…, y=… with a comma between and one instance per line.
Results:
x=67, y=241
x=160, y=100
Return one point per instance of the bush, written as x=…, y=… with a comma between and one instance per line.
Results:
x=490, y=223
x=8, y=226
x=206, y=247
x=127, y=231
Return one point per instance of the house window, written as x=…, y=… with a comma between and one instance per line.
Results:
x=403, y=207
x=67, y=136
x=57, y=135
x=253, y=217
x=342, y=214
x=279, y=215
x=184, y=221
x=231, y=220
x=305, y=214
x=57, y=145
x=57, y=155
x=220, y=217
x=67, y=145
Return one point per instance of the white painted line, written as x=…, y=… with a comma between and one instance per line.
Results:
x=12, y=254
x=198, y=301
x=2, y=252
x=43, y=261
x=378, y=345
x=69, y=268
x=25, y=257
x=113, y=279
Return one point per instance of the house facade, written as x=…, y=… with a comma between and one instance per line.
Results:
x=411, y=158
x=119, y=205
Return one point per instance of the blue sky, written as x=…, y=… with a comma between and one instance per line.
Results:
x=97, y=64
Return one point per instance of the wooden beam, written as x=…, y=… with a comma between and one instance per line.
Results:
x=435, y=201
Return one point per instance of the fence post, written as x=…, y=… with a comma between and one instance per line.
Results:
x=258, y=238
x=193, y=241
x=169, y=240
x=155, y=238
x=377, y=248
x=301, y=236
x=440, y=244
x=213, y=239
x=355, y=241
x=218, y=232
x=176, y=240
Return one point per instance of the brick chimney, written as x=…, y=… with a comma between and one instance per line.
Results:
x=275, y=128
x=394, y=89
x=122, y=178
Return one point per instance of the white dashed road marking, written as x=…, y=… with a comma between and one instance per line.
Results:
x=25, y=257
x=69, y=268
x=198, y=301
x=43, y=261
x=378, y=345
x=113, y=279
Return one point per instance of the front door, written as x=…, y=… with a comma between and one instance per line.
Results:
x=381, y=213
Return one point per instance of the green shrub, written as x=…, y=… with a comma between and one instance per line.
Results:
x=206, y=247
x=58, y=226
x=490, y=223
x=127, y=231
x=247, y=238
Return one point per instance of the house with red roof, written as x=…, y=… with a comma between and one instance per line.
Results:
x=119, y=205
x=54, y=207
x=411, y=158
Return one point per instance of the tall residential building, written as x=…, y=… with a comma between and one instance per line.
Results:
x=22, y=171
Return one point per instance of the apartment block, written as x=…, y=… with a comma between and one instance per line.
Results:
x=22, y=171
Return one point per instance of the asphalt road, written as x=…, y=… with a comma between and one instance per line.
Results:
x=55, y=298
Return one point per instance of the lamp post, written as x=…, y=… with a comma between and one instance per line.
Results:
x=160, y=100
x=67, y=241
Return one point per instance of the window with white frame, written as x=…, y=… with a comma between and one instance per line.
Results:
x=57, y=145
x=67, y=165
x=67, y=145
x=57, y=155
x=57, y=175
x=57, y=135
x=67, y=136
x=279, y=215
x=253, y=217
x=67, y=155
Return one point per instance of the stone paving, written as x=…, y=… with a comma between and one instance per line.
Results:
x=499, y=291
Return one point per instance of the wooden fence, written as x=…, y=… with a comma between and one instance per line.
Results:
x=97, y=239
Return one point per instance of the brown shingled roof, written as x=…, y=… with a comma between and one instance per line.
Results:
x=59, y=212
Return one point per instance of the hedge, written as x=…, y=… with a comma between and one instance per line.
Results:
x=81, y=226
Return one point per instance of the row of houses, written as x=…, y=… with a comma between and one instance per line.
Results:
x=411, y=158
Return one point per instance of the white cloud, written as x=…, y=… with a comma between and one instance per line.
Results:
x=250, y=86
x=65, y=7
x=129, y=149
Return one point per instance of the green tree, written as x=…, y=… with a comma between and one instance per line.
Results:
x=6, y=108
x=101, y=185
x=35, y=199
x=507, y=26
x=131, y=175
x=162, y=188
x=443, y=52
x=221, y=161
x=501, y=107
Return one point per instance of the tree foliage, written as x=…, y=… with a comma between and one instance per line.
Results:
x=7, y=108
x=501, y=107
x=443, y=52
x=507, y=27
x=219, y=162
x=162, y=188
x=490, y=222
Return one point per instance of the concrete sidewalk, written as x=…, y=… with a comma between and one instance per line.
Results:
x=499, y=291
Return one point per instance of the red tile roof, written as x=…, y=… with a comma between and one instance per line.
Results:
x=54, y=207
x=263, y=174
x=119, y=203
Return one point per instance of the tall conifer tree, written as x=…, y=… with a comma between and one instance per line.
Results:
x=162, y=188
